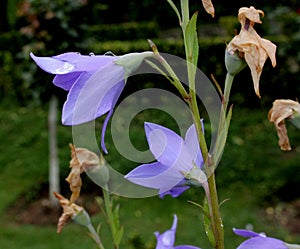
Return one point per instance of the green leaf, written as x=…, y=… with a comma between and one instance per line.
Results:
x=175, y=9
x=191, y=40
x=222, y=135
x=207, y=224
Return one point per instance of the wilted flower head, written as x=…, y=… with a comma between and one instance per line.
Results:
x=176, y=159
x=259, y=241
x=94, y=82
x=208, y=6
x=283, y=109
x=70, y=210
x=81, y=160
x=250, y=46
x=166, y=240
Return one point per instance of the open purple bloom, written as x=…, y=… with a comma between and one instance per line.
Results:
x=176, y=159
x=259, y=240
x=166, y=240
x=94, y=82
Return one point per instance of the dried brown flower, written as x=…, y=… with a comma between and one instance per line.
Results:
x=69, y=211
x=281, y=110
x=81, y=159
x=209, y=8
x=249, y=45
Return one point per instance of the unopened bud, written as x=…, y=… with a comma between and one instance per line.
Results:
x=234, y=63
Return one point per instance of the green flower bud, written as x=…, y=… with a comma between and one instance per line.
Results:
x=234, y=64
x=82, y=218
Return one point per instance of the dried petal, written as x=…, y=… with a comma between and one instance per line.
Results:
x=69, y=211
x=80, y=160
x=208, y=6
x=281, y=110
x=251, y=46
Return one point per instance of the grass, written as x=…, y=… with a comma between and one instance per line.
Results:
x=253, y=173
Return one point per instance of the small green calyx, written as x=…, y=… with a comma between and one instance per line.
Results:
x=132, y=61
x=234, y=63
x=82, y=218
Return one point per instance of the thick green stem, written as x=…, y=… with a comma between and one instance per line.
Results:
x=216, y=219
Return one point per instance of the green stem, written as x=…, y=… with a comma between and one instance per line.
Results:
x=110, y=219
x=228, y=83
x=95, y=236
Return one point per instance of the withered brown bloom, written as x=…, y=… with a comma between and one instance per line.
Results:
x=209, y=8
x=250, y=46
x=81, y=159
x=69, y=211
x=283, y=109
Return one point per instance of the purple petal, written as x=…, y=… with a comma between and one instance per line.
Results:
x=174, y=192
x=166, y=240
x=168, y=147
x=246, y=233
x=53, y=65
x=192, y=144
x=260, y=242
x=154, y=175
x=92, y=96
x=66, y=81
x=186, y=247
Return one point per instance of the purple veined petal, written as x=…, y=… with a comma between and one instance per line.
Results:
x=154, y=175
x=192, y=144
x=166, y=240
x=86, y=62
x=260, y=242
x=91, y=97
x=70, y=56
x=66, y=81
x=165, y=144
x=186, y=247
x=113, y=96
x=52, y=65
x=246, y=233
x=174, y=192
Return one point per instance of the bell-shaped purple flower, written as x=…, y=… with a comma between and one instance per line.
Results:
x=166, y=240
x=259, y=240
x=94, y=82
x=179, y=161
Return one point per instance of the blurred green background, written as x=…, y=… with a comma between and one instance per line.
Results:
x=261, y=181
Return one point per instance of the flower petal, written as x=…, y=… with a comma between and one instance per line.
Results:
x=174, y=192
x=154, y=175
x=66, y=81
x=245, y=233
x=93, y=96
x=192, y=145
x=165, y=144
x=53, y=65
x=186, y=247
x=260, y=242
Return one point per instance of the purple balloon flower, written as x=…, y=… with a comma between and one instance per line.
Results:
x=166, y=240
x=259, y=240
x=94, y=82
x=179, y=161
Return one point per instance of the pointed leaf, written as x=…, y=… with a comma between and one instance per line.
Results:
x=207, y=224
x=175, y=9
x=191, y=39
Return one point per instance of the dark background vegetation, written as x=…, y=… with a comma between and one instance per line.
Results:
x=267, y=179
